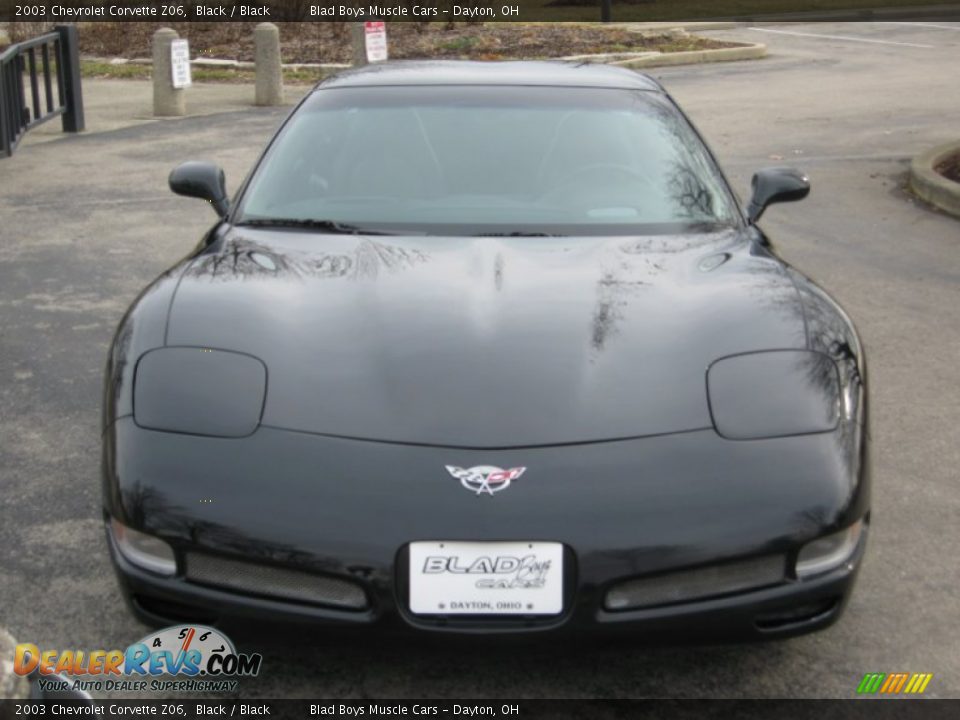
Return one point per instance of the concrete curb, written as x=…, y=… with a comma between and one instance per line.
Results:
x=931, y=185
x=611, y=58
x=691, y=57
x=660, y=28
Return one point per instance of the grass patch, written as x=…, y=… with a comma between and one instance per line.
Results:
x=95, y=69
x=133, y=71
x=459, y=45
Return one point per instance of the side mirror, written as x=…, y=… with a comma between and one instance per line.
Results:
x=775, y=185
x=201, y=180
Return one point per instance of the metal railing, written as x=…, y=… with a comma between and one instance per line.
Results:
x=39, y=80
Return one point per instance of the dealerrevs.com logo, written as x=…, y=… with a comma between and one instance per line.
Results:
x=198, y=658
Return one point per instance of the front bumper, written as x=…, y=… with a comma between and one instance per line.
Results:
x=689, y=500
x=792, y=608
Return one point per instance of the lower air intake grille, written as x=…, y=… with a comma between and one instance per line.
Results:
x=274, y=582
x=705, y=582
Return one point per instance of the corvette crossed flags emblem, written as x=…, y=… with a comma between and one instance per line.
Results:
x=487, y=479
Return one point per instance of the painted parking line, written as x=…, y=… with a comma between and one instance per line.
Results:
x=839, y=37
x=925, y=25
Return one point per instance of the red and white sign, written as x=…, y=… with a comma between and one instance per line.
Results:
x=375, y=34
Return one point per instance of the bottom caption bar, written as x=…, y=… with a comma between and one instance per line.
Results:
x=682, y=709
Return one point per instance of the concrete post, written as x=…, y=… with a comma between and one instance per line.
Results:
x=167, y=100
x=358, y=39
x=269, y=84
x=12, y=686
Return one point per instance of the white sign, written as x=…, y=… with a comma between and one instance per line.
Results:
x=180, y=64
x=375, y=34
x=486, y=578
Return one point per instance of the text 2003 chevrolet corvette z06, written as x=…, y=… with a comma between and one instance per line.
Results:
x=487, y=348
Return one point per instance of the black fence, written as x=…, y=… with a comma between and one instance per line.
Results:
x=39, y=79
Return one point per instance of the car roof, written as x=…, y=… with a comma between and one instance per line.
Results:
x=466, y=72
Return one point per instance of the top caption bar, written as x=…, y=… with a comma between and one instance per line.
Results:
x=482, y=11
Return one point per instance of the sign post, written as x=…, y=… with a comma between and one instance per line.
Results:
x=169, y=98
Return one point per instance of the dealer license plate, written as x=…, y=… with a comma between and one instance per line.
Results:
x=486, y=578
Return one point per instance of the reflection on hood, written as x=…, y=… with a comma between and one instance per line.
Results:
x=242, y=258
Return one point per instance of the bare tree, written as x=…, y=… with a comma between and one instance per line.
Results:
x=359, y=43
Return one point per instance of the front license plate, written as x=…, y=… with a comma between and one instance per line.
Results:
x=486, y=578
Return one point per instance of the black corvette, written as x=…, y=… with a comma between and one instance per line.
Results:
x=487, y=348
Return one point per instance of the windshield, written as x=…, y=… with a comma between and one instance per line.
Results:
x=490, y=159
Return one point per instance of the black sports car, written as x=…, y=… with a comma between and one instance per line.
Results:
x=487, y=348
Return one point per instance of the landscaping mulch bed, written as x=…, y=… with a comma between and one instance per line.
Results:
x=328, y=42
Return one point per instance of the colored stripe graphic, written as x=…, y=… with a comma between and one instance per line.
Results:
x=894, y=683
x=918, y=683
x=871, y=682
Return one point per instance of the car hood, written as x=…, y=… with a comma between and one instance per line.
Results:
x=485, y=342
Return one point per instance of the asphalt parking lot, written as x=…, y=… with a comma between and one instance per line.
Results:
x=87, y=221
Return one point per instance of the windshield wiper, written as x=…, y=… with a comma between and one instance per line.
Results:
x=326, y=226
